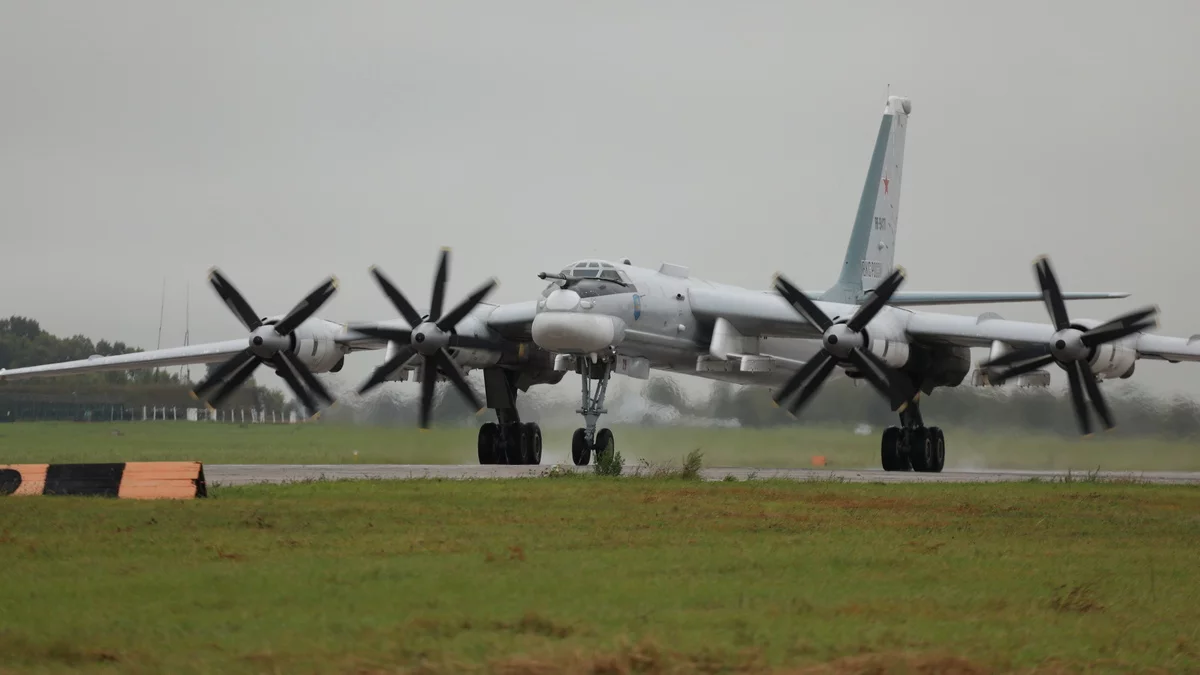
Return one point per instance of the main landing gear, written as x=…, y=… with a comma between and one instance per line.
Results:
x=510, y=443
x=587, y=440
x=508, y=440
x=913, y=445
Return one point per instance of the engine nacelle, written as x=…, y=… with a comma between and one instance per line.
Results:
x=317, y=349
x=893, y=353
x=1113, y=361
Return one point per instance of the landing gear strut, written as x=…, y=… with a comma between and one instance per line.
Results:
x=913, y=445
x=508, y=441
x=587, y=439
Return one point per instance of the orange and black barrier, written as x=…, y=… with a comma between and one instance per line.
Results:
x=124, y=480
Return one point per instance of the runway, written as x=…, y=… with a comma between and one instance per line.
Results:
x=245, y=474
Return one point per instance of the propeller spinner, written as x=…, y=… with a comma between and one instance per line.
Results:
x=845, y=342
x=269, y=344
x=429, y=336
x=1071, y=347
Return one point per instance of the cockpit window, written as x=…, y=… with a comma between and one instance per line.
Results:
x=591, y=278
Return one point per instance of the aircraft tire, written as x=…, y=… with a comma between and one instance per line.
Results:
x=581, y=454
x=487, y=443
x=889, y=451
x=533, y=443
x=920, y=449
x=517, y=446
x=939, y=450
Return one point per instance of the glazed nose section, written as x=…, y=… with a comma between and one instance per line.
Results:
x=562, y=301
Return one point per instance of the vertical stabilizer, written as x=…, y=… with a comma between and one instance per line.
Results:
x=871, y=250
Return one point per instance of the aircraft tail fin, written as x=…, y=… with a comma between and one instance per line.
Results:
x=870, y=253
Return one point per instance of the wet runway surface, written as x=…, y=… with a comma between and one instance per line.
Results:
x=244, y=474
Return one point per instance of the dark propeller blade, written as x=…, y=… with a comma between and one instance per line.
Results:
x=307, y=307
x=801, y=376
x=283, y=366
x=242, y=374
x=1076, y=385
x=399, y=335
x=380, y=375
x=463, y=308
x=234, y=300
x=896, y=387
x=1051, y=294
x=1019, y=355
x=446, y=365
x=803, y=305
x=428, y=380
x=1093, y=391
x=1099, y=336
x=813, y=384
x=879, y=298
x=400, y=302
x=307, y=377
x=1027, y=367
x=439, y=287
x=225, y=370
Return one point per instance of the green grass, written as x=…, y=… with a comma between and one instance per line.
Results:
x=215, y=443
x=595, y=574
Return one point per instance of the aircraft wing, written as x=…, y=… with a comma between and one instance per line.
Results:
x=970, y=331
x=914, y=298
x=762, y=313
x=210, y=352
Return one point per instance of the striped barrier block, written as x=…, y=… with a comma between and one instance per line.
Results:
x=125, y=480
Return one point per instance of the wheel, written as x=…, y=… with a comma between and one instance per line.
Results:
x=889, y=450
x=487, y=443
x=605, y=442
x=581, y=454
x=533, y=440
x=939, y=450
x=515, y=443
x=920, y=449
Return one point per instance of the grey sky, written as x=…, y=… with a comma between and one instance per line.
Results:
x=284, y=141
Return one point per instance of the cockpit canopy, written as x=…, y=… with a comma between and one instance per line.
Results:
x=590, y=278
x=594, y=269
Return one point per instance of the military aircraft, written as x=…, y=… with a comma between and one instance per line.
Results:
x=598, y=318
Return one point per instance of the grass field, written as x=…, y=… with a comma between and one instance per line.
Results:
x=215, y=443
x=603, y=575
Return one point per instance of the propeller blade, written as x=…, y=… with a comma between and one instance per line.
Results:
x=446, y=365
x=1018, y=355
x=307, y=377
x=1093, y=391
x=802, y=304
x=1081, y=414
x=801, y=376
x=885, y=378
x=1136, y=316
x=1029, y=366
x=1051, y=293
x=284, y=367
x=400, y=302
x=234, y=300
x=398, y=335
x=439, y=287
x=1096, y=337
x=243, y=373
x=225, y=370
x=380, y=375
x=428, y=379
x=463, y=308
x=307, y=307
x=813, y=385
x=878, y=299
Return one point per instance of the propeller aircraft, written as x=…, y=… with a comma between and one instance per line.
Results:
x=599, y=318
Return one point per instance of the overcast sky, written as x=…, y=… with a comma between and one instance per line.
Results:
x=285, y=141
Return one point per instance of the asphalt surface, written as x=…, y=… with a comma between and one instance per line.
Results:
x=243, y=474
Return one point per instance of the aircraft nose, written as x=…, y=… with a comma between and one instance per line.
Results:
x=562, y=327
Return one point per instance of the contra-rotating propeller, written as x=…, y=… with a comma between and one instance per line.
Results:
x=845, y=342
x=270, y=344
x=429, y=336
x=1071, y=347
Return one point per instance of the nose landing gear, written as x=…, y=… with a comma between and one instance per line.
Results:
x=587, y=439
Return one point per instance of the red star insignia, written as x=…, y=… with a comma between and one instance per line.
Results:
x=885, y=184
